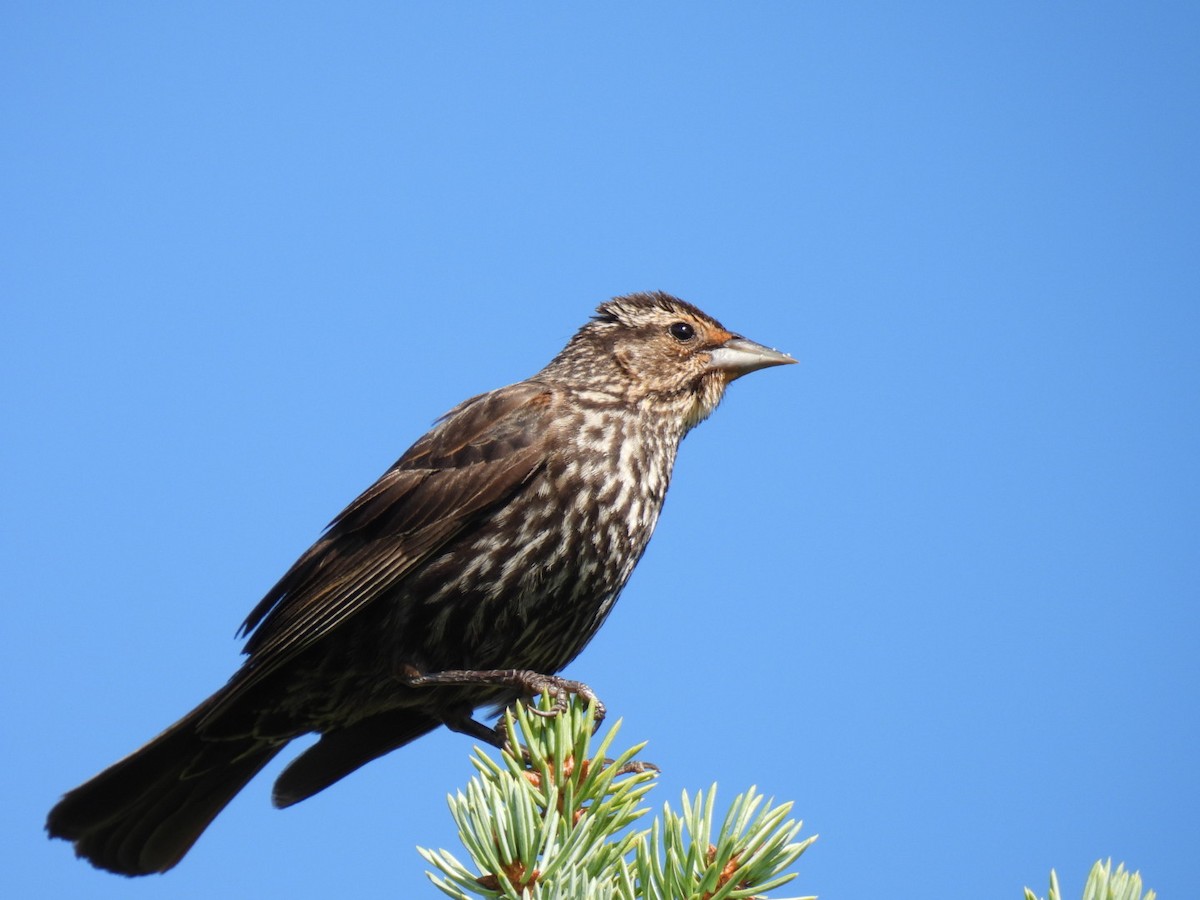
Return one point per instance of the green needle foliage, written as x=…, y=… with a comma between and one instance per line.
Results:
x=556, y=823
x=1102, y=884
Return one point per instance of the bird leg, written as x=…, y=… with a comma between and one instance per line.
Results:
x=464, y=724
x=529, y=682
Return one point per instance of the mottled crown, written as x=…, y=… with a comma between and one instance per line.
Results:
x=644, y=307
x=590, y=357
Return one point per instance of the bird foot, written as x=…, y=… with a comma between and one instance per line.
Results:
x=528, y=681
x=635, y=766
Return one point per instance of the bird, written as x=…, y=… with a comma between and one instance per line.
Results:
x=467, y=576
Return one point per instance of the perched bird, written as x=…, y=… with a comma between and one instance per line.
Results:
x=477, y=567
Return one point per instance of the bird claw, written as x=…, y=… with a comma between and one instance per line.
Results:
x=561, y=689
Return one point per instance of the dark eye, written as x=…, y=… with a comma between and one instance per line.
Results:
x=682, y=331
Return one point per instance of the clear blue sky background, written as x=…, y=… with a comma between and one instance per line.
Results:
x=937, y=585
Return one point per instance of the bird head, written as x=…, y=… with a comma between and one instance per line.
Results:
x=657, y=349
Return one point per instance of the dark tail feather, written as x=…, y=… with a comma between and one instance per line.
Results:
x=143, y=813
x=340, y=752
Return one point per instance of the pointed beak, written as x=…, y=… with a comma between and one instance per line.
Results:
x=739, y=356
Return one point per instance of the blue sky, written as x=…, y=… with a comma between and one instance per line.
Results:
x=937, y=584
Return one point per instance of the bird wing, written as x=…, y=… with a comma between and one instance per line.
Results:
x=475, y=458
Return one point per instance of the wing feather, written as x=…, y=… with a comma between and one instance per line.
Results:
x=475, y=458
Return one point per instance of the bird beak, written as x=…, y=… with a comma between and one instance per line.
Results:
x=739, y=356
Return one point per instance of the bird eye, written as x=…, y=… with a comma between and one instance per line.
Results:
x=682, y=331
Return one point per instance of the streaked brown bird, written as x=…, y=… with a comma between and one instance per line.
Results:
x=477, y=567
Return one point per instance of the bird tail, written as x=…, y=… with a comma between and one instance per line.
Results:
x=144, y=812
